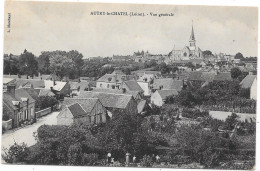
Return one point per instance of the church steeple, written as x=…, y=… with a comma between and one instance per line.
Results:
x=192, y=37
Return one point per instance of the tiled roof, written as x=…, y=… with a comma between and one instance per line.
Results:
x=76, y=110
x=165, y=93
x=21, y=93
x=168, y=83
x=111, y=100
x=133, y=86
x=248, y=81
x=223, y=76
x=86, y=103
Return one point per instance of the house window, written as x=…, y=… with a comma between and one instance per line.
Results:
x=26, y=114
x=108, y=86
x=100, y=85
x=113, y=87
x=185, y=54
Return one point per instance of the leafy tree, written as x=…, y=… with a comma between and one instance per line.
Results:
x=244, y=92
x=11, y=64
x=44, y=62
x=207, y=52
x=28, y=64
x=61, y=65
x=235, y=72
x=16, y=153
x=44, y=102
x=239, y=56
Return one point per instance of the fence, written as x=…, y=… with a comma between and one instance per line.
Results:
x=7, y=124
x=43, y=112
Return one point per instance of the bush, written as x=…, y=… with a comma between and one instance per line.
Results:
x=16, y=153
x=74, y=154
x=89, y=159
x=147, y=161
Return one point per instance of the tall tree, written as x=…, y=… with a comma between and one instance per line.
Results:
x=28, y=64
x=239, y=56
x=235, y=72
x=44, y=62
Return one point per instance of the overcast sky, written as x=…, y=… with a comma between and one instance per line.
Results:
x=48, y=26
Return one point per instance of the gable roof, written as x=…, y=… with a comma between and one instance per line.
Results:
x=20, y=83
x=248, y=81
x=20, y=95
x=86, y=103
x=133, y=86
x=165, y=93
x=168, y=83
x=76, y=110
x=111, y=100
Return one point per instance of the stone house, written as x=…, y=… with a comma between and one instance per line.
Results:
x=19, y=105
x=88, y=111
x=159, y=96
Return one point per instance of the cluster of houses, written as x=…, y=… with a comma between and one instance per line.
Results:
x=92, y=102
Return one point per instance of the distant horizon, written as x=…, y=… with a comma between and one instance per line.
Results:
x=50, y=26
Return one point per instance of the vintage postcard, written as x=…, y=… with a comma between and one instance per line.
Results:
x=129, y=85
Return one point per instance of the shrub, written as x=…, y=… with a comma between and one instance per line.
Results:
x=147, y=161
x=194, y=114
x=74, y=154
x=16, y=153
x=89, y=159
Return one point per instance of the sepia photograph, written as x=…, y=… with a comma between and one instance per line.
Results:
x=129, y=85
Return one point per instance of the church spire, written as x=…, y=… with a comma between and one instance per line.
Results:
x=192, y=37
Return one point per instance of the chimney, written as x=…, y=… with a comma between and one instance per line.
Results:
x=51, y=89
x=11, y=89
x=54, y=83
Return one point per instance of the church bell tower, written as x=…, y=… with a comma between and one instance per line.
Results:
x=192, y=39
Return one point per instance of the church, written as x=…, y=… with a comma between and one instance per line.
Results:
x=188, y=52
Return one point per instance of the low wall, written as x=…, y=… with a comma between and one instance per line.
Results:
x=43, y=112
x=7, y=124
x=241, y=116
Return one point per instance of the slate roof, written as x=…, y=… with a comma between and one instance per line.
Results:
x=168, y=83
x=77, y=111
x=223, y=76
x=110, y=100
x=165, y=93
x=248, y=81
x=133, y=86
x=86, y=103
